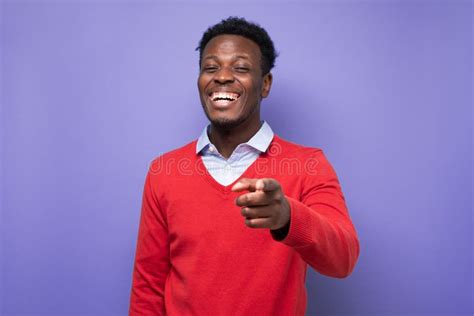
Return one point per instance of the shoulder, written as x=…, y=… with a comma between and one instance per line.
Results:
x=289, y=148
x=312, y=160
x=172, y=157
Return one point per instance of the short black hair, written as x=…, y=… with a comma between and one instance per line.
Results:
x=239, y=26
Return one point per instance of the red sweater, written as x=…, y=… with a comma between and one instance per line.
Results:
x=195, y=256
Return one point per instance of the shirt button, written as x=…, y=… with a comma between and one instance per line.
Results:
x=227, y=167
x=211, y=149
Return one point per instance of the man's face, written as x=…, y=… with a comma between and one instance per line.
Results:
x=230, y=82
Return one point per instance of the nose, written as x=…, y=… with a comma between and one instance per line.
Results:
x=223, y=75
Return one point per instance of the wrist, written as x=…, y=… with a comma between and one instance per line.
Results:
x=280, y=233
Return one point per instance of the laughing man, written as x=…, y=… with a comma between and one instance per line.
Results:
x=230, y=222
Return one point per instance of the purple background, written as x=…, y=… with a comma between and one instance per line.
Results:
x=93, y=90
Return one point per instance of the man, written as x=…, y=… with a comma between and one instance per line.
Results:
x=230, y=221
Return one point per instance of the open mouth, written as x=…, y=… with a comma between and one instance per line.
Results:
x=223, y=98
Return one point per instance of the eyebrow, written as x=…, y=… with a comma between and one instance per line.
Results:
x=234, y=58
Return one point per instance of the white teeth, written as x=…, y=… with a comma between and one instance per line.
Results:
x=217, y=96
x=222, y=102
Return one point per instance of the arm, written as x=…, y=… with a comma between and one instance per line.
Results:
x=316, y=225
x=320, y=228
x=151, y=259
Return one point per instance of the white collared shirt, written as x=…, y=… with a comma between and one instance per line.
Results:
x=226, y=171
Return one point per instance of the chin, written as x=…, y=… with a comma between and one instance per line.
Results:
x=226, y=123
x=227, y=120
x=223, y=120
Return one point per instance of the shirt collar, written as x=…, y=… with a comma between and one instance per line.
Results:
x=260, y=141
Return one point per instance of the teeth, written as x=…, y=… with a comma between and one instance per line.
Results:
x=224, y=95
x=222, y=102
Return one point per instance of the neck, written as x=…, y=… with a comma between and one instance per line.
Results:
x=226, y=140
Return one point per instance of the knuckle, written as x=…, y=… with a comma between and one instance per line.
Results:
x=278, y=196
x=248, y=212
x=245, y=199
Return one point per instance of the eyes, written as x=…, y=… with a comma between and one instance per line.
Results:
x=242, y=69
x=214, y=68
x=209, y=69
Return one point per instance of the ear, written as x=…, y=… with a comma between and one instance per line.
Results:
x=267, y=84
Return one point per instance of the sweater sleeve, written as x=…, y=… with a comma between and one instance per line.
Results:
x=152, y=262
x=320, y=228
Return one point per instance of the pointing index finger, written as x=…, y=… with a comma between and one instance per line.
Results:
x=265, y=184
x=244, y=184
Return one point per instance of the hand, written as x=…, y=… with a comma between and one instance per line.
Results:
x=265, y=206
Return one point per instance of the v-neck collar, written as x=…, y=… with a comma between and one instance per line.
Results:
x=260, y=141
x=227, y=189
